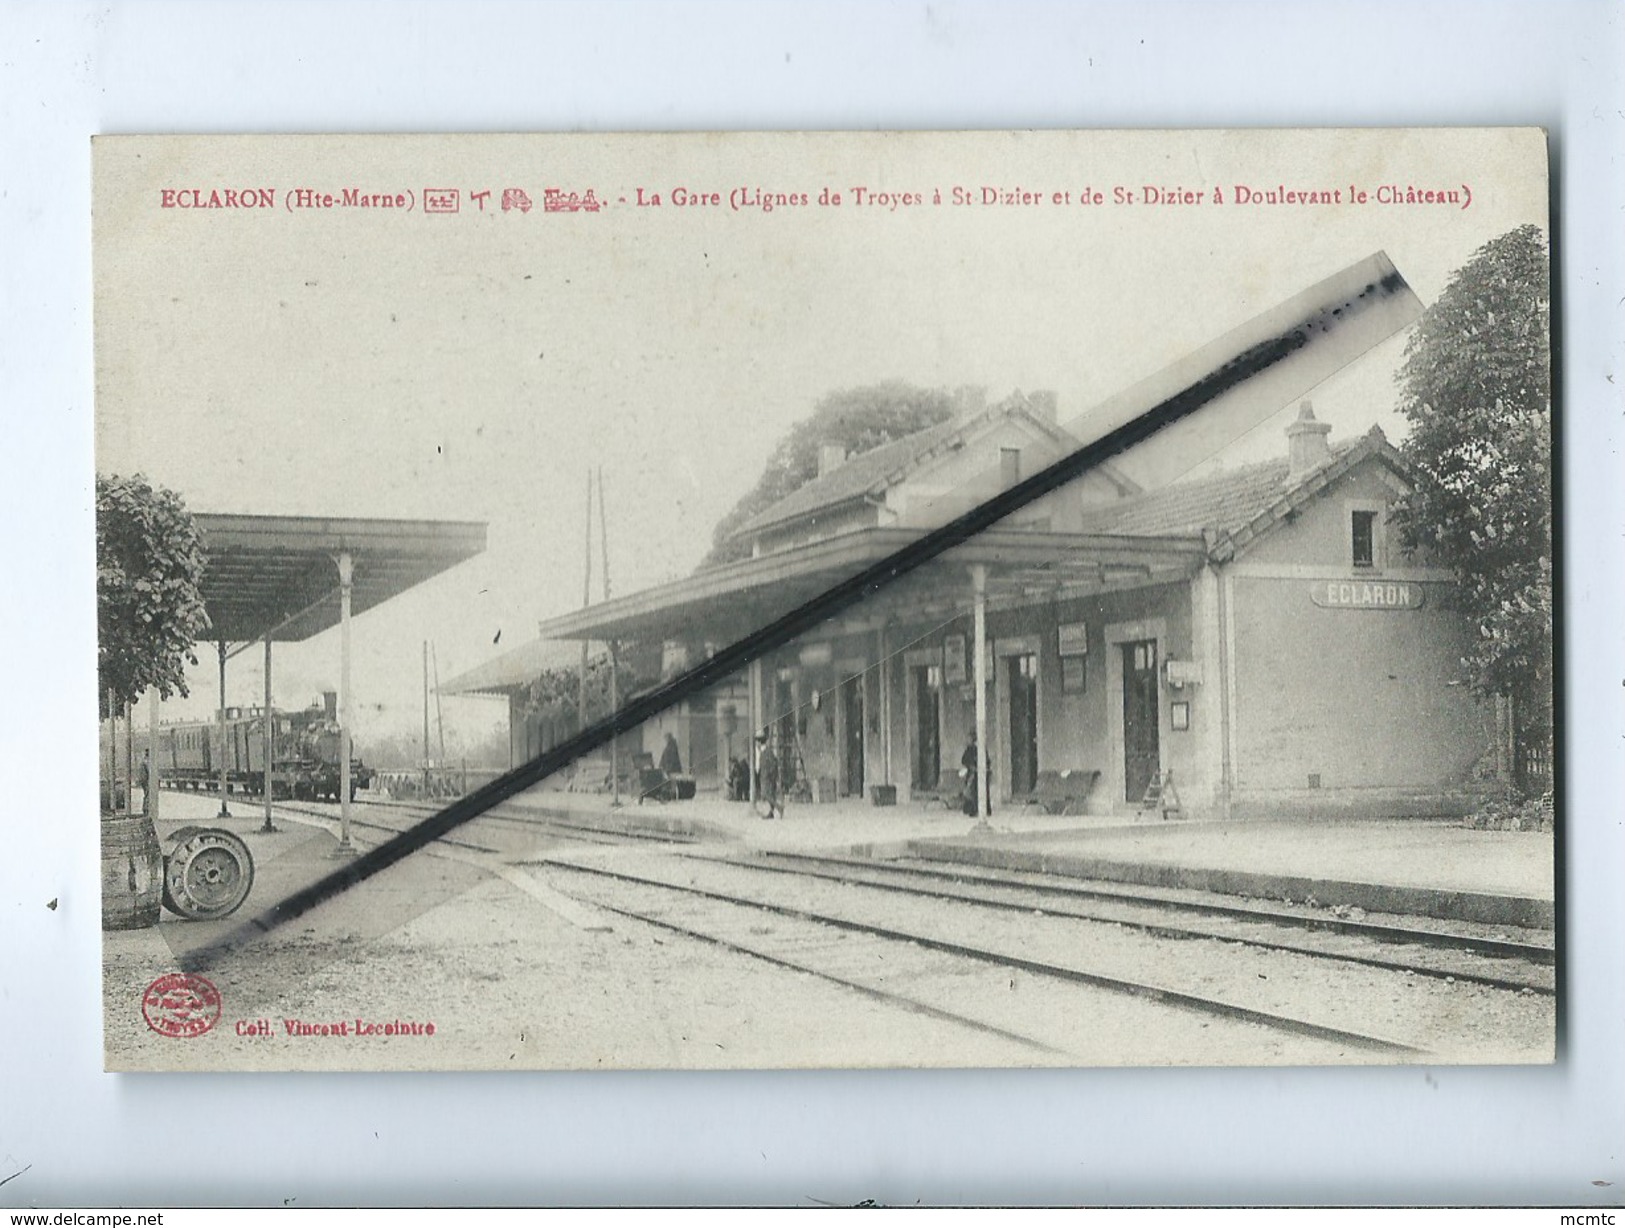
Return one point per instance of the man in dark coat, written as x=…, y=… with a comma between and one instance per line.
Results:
x=970, y=771
x=144, y=778
x=767, y=778
x=671, y=760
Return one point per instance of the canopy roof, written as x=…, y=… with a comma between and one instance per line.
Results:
x=724, y=603
x=277, y=576
x=514, y=669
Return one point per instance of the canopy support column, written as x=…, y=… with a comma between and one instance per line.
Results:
x=885, y=705
x=225, y=812
x=614, y=742
x=346, y=577
x=267, y=744
x=754, y=703
x=129, y=761
x=149, y=799
x=978, y=576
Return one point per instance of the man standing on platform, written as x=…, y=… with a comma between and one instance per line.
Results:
x=767, y=779
x=143, y=777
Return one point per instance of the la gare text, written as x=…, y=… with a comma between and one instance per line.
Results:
x=991, y=196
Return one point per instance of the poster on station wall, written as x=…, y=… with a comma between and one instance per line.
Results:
x=420, y=458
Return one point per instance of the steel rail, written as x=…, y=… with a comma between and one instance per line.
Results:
x=393, y=831
x=910, y=1004
x=1155, y=929
x=1099, y=980
x=1495, y=947
x=552, y=821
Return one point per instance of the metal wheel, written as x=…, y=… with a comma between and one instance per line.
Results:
x=178, y=837
x=208, y=874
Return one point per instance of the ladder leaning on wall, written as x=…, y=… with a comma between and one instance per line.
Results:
x=1161, y=794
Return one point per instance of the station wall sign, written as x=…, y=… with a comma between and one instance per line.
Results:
x=1367, y=594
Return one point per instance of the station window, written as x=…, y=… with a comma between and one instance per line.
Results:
x=1364, y=535
x=1009, y=467
x=1073, y=642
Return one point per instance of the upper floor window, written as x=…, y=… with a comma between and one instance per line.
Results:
x=1009, y=467
x=1364, y=538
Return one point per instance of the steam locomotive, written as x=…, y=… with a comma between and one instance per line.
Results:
x=305, y=761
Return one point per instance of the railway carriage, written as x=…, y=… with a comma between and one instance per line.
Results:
x=305, y=760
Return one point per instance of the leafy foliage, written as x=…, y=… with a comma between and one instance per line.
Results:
x=556, y=693
x=857, y=418
x=401, y=751
x=149, y=602
x=1475, y=386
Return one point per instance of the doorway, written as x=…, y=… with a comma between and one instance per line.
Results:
x=701, y=721
x=785, y=736
x=1142, y=753
x=926, y=683
x=852, y=744
x=1023, y=723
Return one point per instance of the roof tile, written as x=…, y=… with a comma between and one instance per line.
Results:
x=1222, y=503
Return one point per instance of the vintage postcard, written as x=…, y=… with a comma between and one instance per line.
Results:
x=1073, y=599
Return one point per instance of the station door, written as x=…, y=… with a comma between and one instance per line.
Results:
x=852, y=703
x=927, y=683
x=1142, y=754
x=1023, y=724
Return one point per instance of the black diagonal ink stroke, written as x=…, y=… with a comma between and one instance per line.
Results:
x=803, y=618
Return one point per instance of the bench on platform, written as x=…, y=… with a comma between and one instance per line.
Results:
x=1063, y=792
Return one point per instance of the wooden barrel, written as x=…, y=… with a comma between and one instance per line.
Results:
x=132, y=873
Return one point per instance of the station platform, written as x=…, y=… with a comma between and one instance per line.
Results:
x=1418, y=867
x=299, y=852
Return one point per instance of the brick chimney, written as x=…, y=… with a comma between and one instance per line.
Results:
x=831, y=456
x=1307, y=449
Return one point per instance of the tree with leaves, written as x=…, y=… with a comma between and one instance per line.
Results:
x=1476, y=389
x=149, y=601
x=555, y=693
x=856, y=418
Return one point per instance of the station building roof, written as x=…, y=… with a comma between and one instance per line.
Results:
x=727, y=602
x=277, y=576
x=1155, y=537
x=1236, y=506
x=867, y=476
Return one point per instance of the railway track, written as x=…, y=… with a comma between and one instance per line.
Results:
x=551, y=825
x=719, y=914
x=1498, y=963
x=1493, y=962
x=838, y=937
x=330, y=813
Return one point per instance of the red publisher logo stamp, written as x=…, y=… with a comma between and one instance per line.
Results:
x=180, y=1004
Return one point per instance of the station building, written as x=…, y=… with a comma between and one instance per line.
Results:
x=1249, y=642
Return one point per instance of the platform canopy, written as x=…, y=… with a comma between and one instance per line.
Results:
x=514, y=670
x=732, y=600
x=276, y=577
